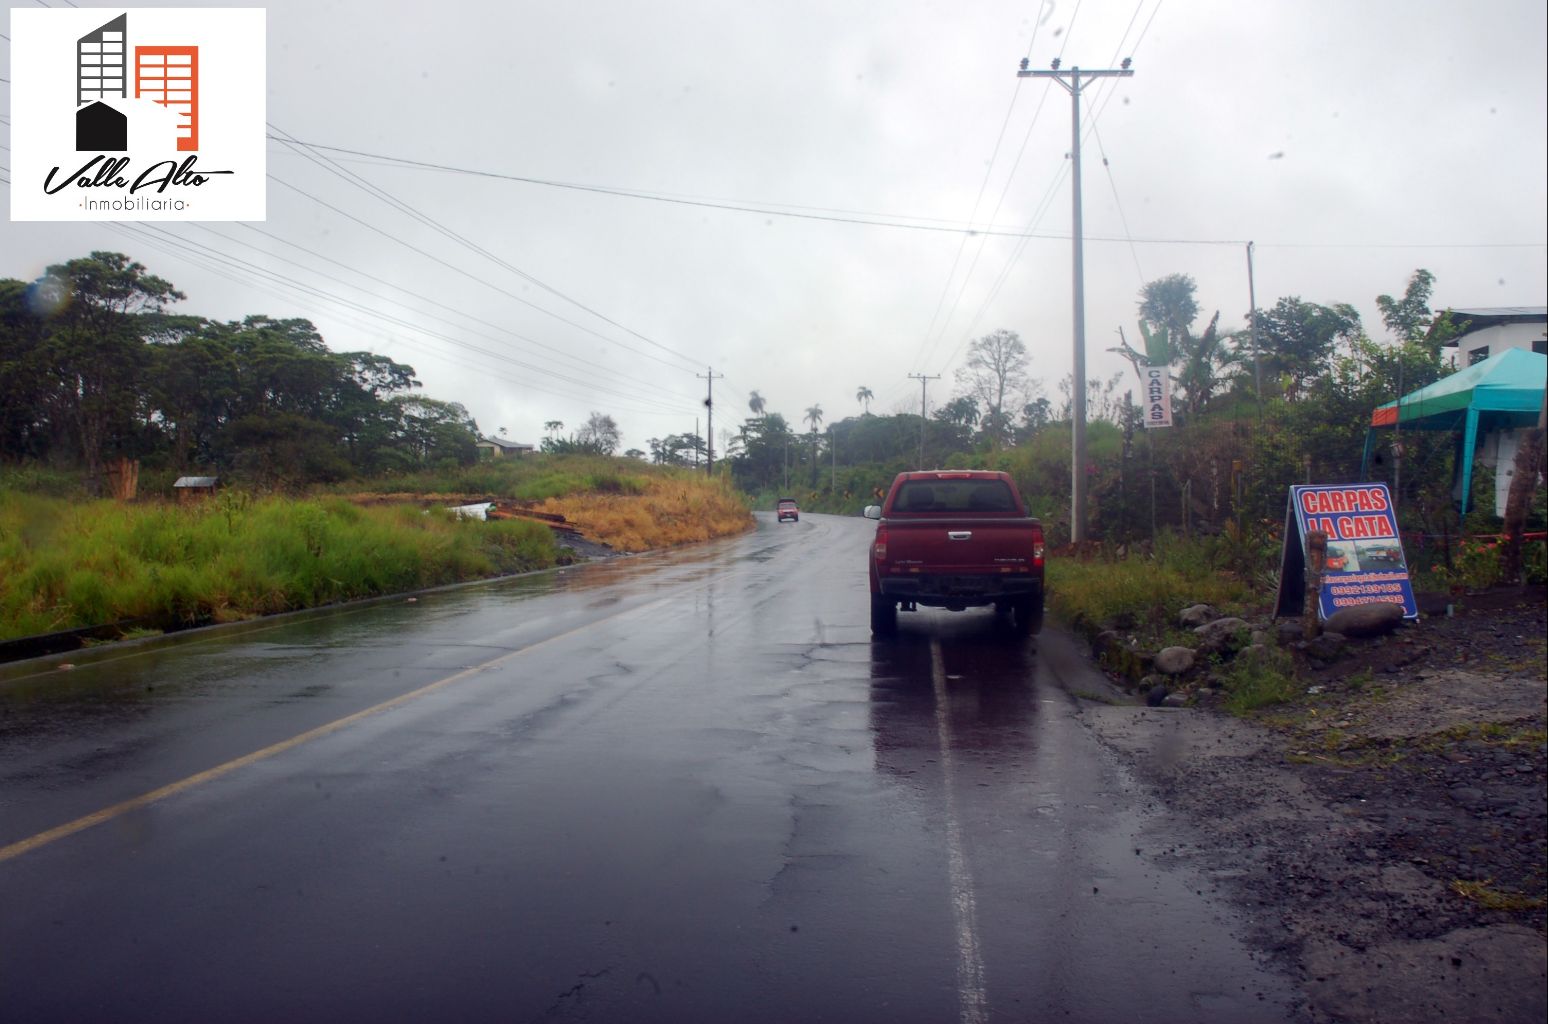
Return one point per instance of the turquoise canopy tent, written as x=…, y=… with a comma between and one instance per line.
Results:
x=1499, y=393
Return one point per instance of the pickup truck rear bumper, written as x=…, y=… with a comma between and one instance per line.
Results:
x=959, y=591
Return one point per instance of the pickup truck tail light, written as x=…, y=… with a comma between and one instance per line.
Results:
x=1037, y=546
x=881, y=543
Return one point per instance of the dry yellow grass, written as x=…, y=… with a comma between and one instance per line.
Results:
x=671, y=511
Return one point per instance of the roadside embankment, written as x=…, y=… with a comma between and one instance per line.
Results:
x=99, y=570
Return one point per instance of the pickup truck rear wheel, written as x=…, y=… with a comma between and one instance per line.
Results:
x=1027, y=615
x=884, y=616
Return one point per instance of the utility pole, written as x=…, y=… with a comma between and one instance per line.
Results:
x=709, y=405
x=1071, y=81
x=924, y=382
x=1257, y=370
x=833, y=448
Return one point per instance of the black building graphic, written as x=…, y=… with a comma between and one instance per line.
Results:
x=100, y=74
x=101, y=129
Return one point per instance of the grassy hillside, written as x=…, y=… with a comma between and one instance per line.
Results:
x=67, y=562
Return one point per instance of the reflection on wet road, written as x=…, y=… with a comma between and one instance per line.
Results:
x=683, y=787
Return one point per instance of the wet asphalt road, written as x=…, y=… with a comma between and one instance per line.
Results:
x=682, y=787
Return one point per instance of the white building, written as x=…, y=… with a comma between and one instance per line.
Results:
x=1492, y=331
x=499, y=448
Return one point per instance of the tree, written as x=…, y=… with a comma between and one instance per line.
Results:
x=193, y=389
x=1169, y=303
x=677, y=450
x=813, y=417
x=761, y=462
x=961, y=411
x=430, y=432
x=756, y=403
x=600, y=433
x=1200, y=356
x=1408, y=317
x=864, y=396
x=26, y=429
x=95, y=347
x=553, y=426
x=996, y=375
x=1037, y=414
x=1296, y=340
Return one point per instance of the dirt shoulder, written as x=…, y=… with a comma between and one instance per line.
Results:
x=1388, y=832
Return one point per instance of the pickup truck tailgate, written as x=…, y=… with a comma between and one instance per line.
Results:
x=960, y=547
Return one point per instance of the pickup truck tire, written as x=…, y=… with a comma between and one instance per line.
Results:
x=884, y=616
x=1027, y=616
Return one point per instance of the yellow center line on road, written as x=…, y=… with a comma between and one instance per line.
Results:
x=106, y=814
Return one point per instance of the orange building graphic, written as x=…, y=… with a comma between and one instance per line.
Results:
x=169, y=75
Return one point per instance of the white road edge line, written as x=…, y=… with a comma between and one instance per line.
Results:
x=971, y=995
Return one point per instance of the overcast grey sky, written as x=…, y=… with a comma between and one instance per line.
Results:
x=1353, y=140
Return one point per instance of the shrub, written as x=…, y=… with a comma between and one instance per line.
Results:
x=1254, y=682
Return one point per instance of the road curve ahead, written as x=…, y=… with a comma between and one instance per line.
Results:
x=681, y=787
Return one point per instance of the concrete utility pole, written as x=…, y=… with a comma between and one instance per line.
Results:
x=924, y=382
x=1257, y=369
x=709, y=404
x=1072, y=80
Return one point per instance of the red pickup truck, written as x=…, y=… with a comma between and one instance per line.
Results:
x=956, y=539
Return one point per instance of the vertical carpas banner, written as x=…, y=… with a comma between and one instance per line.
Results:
x=1365, y=563
x=1158, y=396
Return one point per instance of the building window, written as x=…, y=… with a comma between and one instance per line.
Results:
x=1477, y=355
x=1540, y=346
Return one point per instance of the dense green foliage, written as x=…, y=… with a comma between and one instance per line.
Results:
x=93, y=368
x=1252, y=416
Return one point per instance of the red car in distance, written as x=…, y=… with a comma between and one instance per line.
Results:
x=786, y=509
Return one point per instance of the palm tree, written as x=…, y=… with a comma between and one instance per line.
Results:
x=813, y=416
x=553, y=426
x=756, y=402
x=864, y=395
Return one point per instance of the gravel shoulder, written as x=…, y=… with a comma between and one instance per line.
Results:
x=1385, y=832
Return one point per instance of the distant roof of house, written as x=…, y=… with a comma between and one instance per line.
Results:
x=197, y=481
x=1484, y=317
x=500, y=442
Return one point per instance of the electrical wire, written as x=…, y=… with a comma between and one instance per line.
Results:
x=406, y=208
x=399, y=288
x=977, y=200
x=552, y=350
x=207, y=253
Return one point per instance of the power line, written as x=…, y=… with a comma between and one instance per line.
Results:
x=977, y=200
x=558, y=352
x=773, y=210
x=450, y=266
x=467, y=243
x=1118, y=202
x=178, y=249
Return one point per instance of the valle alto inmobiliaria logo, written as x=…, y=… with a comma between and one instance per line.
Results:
x=137, y=114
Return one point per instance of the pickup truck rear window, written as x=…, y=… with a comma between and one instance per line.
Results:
x=954, y=496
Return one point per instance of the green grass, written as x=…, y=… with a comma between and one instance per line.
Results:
x=1143, y=590
x=1262, y=681
x=67, y=564
x=532, y=478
